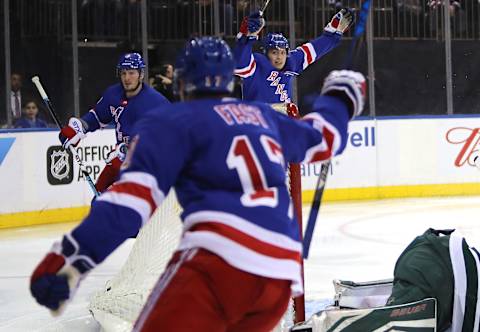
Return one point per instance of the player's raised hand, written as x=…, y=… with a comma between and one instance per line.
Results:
x=340, y=22
x=58, y=275
x=349, y=86
x=72, y=133
x=252, y=24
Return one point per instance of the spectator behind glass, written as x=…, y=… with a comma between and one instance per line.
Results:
x=163, y=82
x=16, y=96
x=29, y=118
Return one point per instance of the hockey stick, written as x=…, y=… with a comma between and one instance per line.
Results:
x=265, y=4
x=322, y=178
x=48, y=104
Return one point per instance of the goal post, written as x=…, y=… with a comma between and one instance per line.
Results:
x=295, y=179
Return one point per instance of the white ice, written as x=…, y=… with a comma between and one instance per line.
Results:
x=357, y=241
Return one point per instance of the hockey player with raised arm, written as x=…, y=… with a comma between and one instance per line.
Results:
x=238, y=261
x=267, y=77
x=123, y=104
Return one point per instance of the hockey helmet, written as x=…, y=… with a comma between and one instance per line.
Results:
x=275, y=41
x=130, y=61
x=206, y=64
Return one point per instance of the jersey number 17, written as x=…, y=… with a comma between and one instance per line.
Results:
x=244, y=160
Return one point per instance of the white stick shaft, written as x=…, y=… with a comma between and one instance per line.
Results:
x=264, y=7
x=41, y=90
x=76, y=157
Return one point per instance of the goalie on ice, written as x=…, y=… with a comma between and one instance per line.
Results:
x=435, y=288
x=227, y=161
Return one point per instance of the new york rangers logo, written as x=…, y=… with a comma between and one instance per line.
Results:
x=130, y=151
x=116, y=113
x=280, y=88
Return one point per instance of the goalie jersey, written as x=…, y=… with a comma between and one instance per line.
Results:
x=115, y=107
x=263, y=82
x=227, y=161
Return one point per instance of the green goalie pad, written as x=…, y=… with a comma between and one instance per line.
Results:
x=417, y=316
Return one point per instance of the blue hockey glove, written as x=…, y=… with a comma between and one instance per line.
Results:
x=252, y=24
x=58, y=275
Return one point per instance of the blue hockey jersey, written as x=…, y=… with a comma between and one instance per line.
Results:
x=227, y=161
x=262, y=81
x=115, y=107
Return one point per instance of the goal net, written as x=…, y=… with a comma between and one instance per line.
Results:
x=118, y=305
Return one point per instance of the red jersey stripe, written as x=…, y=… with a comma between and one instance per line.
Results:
x=308, y=54
x=247, y=240
x=136, y=190
x=248, y=71
x=325, y=154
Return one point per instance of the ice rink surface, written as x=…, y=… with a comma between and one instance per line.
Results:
x=357, y=241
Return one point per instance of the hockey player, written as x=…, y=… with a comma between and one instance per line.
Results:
x=435, y=288
x=123, y=104
x=238, y=261
x=440, y=264
x=267, y=77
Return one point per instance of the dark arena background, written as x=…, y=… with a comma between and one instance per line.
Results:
x=414, y=64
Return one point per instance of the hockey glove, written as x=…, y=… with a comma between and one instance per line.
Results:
x=58, y=275
x=350, y=86
x=72, y=133
x=340, y=22
x=110, y=173
x=117, y=155
x=252, y=25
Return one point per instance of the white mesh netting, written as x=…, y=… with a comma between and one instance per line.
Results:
x=117, y=306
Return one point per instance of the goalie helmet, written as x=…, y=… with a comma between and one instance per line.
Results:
x=275, y=41
x=130, y=61
x=206, y=64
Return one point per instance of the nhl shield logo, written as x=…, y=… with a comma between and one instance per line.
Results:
x=59, y=166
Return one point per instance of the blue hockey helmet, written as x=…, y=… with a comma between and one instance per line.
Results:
x=275, y=41
x=206, y=64
x=130, y=61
